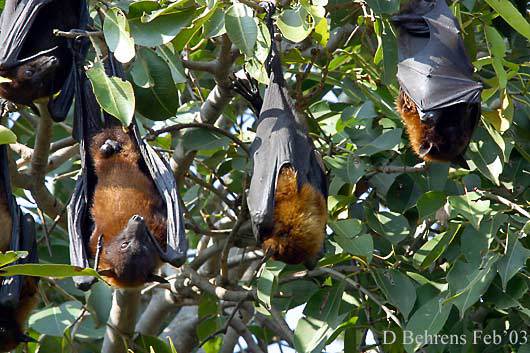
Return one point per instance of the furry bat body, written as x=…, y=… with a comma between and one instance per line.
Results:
x=126, y=208
x=288, y=189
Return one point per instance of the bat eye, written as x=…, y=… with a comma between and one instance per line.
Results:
x=124, y=245
x=28, y=73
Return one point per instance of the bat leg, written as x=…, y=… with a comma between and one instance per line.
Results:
x=109, y=148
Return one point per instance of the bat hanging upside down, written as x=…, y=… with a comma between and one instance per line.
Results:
x=300, y=216
x=29, y=81
x=441, y=135
x=439, y=101
x=127, y=211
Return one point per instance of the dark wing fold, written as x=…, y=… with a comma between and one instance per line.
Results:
x=434, y=69
x=23, y=237
x=89, y=120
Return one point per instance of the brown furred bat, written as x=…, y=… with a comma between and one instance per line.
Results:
x=127, y=211
x=29, y=81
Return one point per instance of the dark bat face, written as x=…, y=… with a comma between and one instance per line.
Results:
x=29, y=81
x=131, y=257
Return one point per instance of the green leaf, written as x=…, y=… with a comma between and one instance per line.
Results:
x=241, y=27
x=215, y=27
x=392, y=226
x=151, y=344
x=268, y=281
x=55, y=320
x=497, y=50
x=319, y=321
x=140, y=73
x=161, y=30
x=427, y=320
x=349, y=169
x=117, y=35
x=167, y=53
x=203, y=139
x=437, y=246
x=321, y=33
x=47, y=270
x=398, y=289
x=116, y=96
x=467, y=282
x=387, y=141
x=513, y=260
x=11, y=256
x=430, y=202
x=510, y=14
x=7, y=136
x=294, y=24
x=347, y=228
x=362, y=245
x=470, y=207
x=99, y=302
x=486, y=155
x=159, y=101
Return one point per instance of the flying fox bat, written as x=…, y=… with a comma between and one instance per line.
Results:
x=18, y=294
x=288, y=190
x=126, y=197
x=37, y=62
x=438, y=101
x=127, y=211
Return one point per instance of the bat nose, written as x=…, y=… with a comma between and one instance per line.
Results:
x=137, y=218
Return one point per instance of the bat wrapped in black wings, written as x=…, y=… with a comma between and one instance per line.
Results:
x=18, y=294
x=38, y=63
x=125, y=206
x=287, y=198
x=439, y=101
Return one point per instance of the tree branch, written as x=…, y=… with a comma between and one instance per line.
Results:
x=122, y=319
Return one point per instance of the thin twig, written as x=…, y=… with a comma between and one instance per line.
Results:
x=151, y=135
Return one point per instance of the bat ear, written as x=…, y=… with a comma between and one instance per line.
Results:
x=22, y=338
x=425, y=148
x=107, y=273
x=156, y=278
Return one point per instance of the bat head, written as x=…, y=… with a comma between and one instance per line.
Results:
x=30, y=80
x=449, y=133
x=11, y=334
x=300, y=216
x=130, y=258
x=439, y=135
x=112, y=146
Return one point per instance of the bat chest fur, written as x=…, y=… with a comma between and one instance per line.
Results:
x=300, y=216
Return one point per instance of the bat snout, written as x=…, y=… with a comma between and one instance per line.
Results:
x=109, y=148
